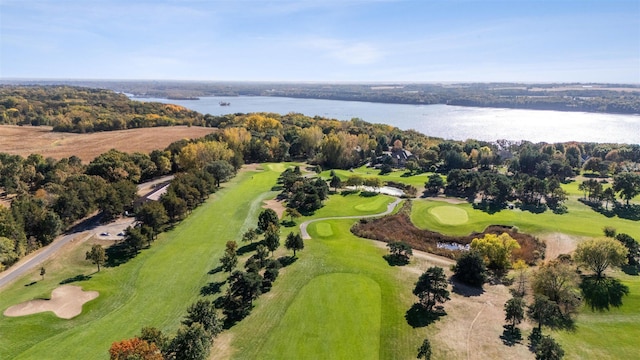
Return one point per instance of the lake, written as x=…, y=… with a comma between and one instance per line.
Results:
x=449, y=122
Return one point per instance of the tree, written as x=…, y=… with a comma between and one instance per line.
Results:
x=272, y=238
x=153, y=336
x=205, y=313
x=544, y=312
x=400, y=251
x=261, y=254
x=294, y=242
x=97, y=255
x=514, y=311
x=599, y=254
x=250, y=235
x=470, y=269
x=434, y=184
x=230, y=258
x=431, y=288
x=134, y=349
x=221, y=171
x=152, y=213
x=521, y=269
x=267, y=217
x=548, y=349
x=335, y=182
x=43, y=271
x=190, y=343
x=292, y=213
x=496, y=250
x=134, y=239
x=609, y=231
x=424, y=351
x=632, y=246
x=627, y=184
x=558, y=281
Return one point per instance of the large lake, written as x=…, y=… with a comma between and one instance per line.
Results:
x=449, y=122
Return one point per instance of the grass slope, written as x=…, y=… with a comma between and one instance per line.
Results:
x=153, y=289
x=580, y=220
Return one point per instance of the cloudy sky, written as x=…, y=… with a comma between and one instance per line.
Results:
x=322, y=40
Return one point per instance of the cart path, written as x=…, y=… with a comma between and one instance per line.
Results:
x=303, y=226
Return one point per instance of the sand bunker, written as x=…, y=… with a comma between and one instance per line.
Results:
x=66, y=302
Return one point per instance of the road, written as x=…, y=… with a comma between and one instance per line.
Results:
x=303, y=226
x=89, y=227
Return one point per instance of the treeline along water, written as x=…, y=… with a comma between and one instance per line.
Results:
x=449, y=122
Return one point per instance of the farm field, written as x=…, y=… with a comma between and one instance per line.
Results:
x=59, y=145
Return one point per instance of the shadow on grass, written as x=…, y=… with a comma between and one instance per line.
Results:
x=396, y=260
x=418, y=316
x=466, y=290
x=118, y=254
x=288, y=223
x=489, y=207
x=630, y=270
x=601, y=294
x=511, y=335
x=215, y=270
x=247, y=248
x=31, y=283
x=287, y=260
x=212, y=288
x=81, y=277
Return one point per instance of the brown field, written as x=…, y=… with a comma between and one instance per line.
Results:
x=26, y=140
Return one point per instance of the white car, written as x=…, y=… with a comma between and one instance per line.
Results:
x=105, y=234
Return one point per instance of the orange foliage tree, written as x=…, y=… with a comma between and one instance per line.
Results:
x=134, y=349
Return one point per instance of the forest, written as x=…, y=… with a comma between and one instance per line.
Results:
x=603, y=98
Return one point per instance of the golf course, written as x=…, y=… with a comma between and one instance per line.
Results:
x=338, y=299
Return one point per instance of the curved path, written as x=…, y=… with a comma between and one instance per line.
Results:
x=303, y=226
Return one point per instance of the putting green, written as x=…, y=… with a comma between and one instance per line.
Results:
x=449, y=215
x=323, y=229
x=334, y=316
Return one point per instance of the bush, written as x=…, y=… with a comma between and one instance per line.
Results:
x=470, y=269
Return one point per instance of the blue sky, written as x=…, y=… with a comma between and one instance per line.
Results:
x=331, y=40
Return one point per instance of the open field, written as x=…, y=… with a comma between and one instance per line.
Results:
x=87, y=146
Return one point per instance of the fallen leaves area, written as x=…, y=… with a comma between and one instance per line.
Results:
x=399, y=227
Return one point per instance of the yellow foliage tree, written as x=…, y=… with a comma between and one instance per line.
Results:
x=198, y=155
x=496, y=250
x=237, y=137
x=261, y=123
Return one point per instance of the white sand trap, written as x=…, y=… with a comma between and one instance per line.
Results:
x=66, y=302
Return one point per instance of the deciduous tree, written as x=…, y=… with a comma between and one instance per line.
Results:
x=600, y=253
x=97, y=255
x=294, y=242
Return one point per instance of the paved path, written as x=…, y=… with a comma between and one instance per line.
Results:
x=303, y=226
x=91, y=224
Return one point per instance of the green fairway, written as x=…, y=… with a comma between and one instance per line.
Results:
x=449, y=215
x=397, y=175
x=580, y=220
x=324, y=317
x=606, y=335
x=153, y=289
x=339, y=300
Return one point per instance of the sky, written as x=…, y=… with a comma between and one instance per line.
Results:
x=322, y=41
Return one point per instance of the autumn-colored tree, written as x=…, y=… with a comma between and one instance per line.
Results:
x=134, y=349
x=198, y=155
x=496, y=250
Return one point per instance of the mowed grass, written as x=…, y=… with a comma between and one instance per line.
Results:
x=353, y=205
x=339, y=300
x=397, y=175
x=580, y=220
x=153, y=289
x=606, y=335
x=449, y=215
x=347, y=304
